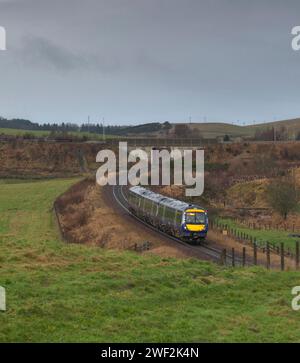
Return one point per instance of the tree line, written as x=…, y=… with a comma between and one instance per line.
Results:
x=94, y=128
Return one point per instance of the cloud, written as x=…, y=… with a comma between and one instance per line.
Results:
x=158, y=59
x=45, y=54
x=42, y=52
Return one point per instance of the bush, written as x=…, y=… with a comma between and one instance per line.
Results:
x=283, y=196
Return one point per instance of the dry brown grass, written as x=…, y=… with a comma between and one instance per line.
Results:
x=94, y=222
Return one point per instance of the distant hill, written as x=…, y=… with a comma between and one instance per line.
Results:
x=20, y=124
x=143, y=129
x=210, y=130
x=218, y=129
x=162, y=130
x=293, y=125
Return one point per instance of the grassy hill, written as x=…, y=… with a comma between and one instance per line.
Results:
x=294, y=124
x=215, y=129
x=206, y=130
x=60, y=292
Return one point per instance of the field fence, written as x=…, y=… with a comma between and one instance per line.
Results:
x=287, y=226
x=265, y=247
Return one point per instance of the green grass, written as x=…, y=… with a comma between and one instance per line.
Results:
x=60, y=292
x=262, y=236
x=40, y=133
x=17, y=132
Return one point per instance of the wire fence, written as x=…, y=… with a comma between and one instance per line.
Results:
x=267, y=249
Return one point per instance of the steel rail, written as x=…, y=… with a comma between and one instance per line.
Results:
x=215, y=253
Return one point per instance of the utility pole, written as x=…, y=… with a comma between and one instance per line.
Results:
x=88, y=123
x=274, y=130
x=103, y=129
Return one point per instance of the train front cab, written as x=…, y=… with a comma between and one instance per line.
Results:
x=194, y=224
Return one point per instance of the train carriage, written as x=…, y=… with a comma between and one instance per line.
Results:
x=186, y=221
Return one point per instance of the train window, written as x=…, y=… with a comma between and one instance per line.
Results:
x=145, y=209
x=153, y=209
x=133, y=199
x=147, y=205
x=178, y=218
x=150, y=206
x=156, y=209
x=142, y=205
x=136, y=200
x=161, y=211
x=166, y=214
x=174, y=218
x=169, y=214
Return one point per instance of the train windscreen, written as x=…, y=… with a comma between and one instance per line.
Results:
x=195, y=218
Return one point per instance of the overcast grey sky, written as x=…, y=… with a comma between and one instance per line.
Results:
x=134, y=61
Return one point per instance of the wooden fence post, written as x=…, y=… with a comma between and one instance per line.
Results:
x=244, y=256
x=297, y=255
x=268, y=255
x=223, y=257
x=255, y=253
x=282, y=256
x=233, y=257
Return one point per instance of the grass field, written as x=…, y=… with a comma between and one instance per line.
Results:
x=17, y=132
x=39, y=133
x=263, y=236
x=62, y=293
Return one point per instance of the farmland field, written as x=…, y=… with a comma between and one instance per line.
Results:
x=40, y=133
x=262, y=236
x=59, y=292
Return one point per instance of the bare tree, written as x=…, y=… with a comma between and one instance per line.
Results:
x=283, y=196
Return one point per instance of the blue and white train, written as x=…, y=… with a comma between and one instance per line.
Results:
x=186, y=221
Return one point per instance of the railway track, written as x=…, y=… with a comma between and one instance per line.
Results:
x=213, y=253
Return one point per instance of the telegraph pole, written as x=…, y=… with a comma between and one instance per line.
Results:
x=103, y=129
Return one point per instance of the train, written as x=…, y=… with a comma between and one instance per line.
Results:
x=187, y=222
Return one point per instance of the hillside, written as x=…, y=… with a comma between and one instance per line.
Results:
x=218, y=129
x=35, y=160
x=155, y=129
